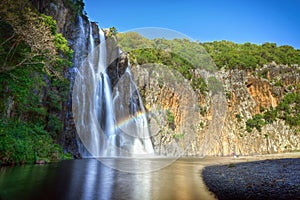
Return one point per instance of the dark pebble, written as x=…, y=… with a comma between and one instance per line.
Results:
x=269, y=179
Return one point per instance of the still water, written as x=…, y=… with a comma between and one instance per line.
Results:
x=91, y=179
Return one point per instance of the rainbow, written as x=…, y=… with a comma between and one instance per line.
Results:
x=126, y=120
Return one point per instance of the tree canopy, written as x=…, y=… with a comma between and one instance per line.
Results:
x=249, y=56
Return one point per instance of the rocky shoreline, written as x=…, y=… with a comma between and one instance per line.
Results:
x=264, y=179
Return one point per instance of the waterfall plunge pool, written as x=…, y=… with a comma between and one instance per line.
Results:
x=92, y=179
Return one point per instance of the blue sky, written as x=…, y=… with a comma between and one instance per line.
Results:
x=255, y=21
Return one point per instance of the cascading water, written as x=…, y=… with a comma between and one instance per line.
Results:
x=103, y=103
x=132, y=125
x=109, y=123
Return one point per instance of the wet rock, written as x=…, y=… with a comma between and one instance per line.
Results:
x=40, y=162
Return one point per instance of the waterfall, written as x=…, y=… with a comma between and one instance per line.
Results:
x=109, y=121
x=103, y=103
x=132, y=124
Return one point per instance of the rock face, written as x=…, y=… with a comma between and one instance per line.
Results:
x=171, y=103
x=249, y=95
x=260, y=91
x=215, y=124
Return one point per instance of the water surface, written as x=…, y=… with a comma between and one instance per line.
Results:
x=90, y=179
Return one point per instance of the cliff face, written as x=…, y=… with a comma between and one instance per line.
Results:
x=260, y=91
x=252, y=94
x=171, y=104
x=217, y=125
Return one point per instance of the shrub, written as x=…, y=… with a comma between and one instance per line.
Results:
x=257, y=122
x=170, y=119
x=21, y=142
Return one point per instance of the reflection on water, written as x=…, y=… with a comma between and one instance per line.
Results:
x=90, y=179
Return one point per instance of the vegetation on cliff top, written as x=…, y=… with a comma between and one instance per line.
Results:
x=33, y=89
x=208, y=55
x=250, y=56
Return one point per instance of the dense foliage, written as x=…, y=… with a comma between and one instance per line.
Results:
x=21, y=24
x=192, y=53
x=23, y=142
x=250, y=56
x=33, y=90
